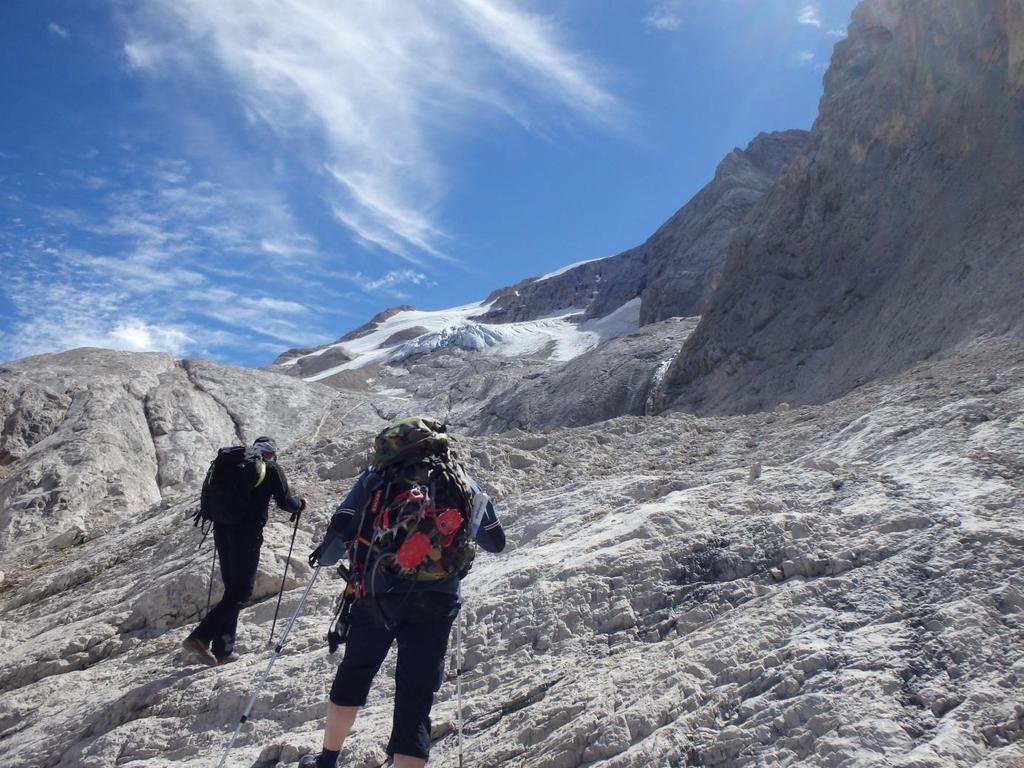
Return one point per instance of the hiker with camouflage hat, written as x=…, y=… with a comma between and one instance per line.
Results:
x=409, y=527
x=238, y=540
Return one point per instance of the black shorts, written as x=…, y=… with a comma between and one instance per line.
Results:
x=421, y=623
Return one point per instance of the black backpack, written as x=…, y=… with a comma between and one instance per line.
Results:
x=420, y=527
x=417, y=524
x=227, y=490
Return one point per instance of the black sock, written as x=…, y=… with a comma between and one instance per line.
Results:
x=328, y=758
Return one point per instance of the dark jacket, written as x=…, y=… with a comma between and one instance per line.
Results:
x=275, y=486
x=344, y=528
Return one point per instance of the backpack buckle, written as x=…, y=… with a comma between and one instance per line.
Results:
x=448, y=521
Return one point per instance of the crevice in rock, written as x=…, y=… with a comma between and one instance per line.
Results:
x=147, y=417
x=134, y=705
x=194, y=380
x=37, y=430
x=527, y=698
x=45, y=668
x=147, y=413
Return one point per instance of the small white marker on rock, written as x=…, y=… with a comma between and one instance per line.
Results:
x=755, y=472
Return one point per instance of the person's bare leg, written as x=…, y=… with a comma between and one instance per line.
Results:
x=405, y=761
x=339, y=723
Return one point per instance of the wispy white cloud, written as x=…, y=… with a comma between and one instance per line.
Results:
x=135, y=335
x=665, y=16
x=398, y=277
x=394, y=283
x=64, y=315
x=836, y=33
x=276, y=305
x=380, y=88
x=141, y=54
x=146, y=268
x=57, y=30
x=805, y=58
x=810, y=14
x=294, y=248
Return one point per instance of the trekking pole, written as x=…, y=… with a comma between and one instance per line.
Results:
x=209, y=592
x=266, y=673
x=288, y=562
x=458, y=678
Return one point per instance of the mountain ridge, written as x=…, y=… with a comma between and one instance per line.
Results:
x=895, y=236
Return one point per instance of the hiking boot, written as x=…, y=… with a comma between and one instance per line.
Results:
x=196, y=646
x=313, y=760
x=222, y=660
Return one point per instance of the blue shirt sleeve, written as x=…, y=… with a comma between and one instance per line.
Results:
x=345, y=522
x=489, y=535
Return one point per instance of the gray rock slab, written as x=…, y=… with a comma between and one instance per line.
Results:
x=895, y=236
x=855, y=602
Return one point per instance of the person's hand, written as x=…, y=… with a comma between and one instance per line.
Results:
x=328, y=553
x=294, y=518
x=314, y=556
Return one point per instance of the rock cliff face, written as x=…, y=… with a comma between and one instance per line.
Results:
x=686, y=256
x=92, y=437
x=678, y=266
x=897, y=234
x=621, y=377
x=595, y=287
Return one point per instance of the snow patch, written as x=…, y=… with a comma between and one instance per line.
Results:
x=561, y=332
x=475, y=337
x=567, y=268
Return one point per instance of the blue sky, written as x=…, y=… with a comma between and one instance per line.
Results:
x=231, y=178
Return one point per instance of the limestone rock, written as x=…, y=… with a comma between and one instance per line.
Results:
x=895, y=236
x=616, y=379
x=94, y=437
x=686, y=256
x=677, y=267
x=654, y=607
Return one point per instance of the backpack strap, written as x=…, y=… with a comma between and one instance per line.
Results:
x=361, y=547
x=263, y=473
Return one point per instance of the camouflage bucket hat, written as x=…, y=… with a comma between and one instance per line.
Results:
x=409, y=438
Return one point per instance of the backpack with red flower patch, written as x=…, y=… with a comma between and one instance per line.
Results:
x=417, y=524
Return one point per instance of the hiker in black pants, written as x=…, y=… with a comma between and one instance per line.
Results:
x=238, y=548
x=418, y=614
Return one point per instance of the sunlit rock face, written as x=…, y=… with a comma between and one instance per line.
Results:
x=92, y=437
x=686, y=256
x=676, y=269
x=896, y=235
x=834, y=585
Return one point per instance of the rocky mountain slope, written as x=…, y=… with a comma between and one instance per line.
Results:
x=686, y=256
x=826, y=584
x=896, y=235
x=831, y=585
x=675, y=270
x=565, y=316
x=92, y=438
